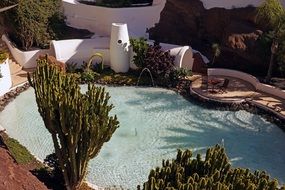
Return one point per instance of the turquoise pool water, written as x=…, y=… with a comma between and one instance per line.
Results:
x=153, y=124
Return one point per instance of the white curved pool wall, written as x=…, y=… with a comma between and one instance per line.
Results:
x=79, y=50
x=229, y=4
x=183, y=55
x=119, y=48
x=5, y=81
x=99, y=19
x=27, y=59
x=250, y=79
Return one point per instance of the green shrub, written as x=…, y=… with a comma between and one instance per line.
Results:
x=88, y=76
x=180, y=73
x=213, y=173
x=140, y=47
x=30, y=22
x=160, y=63
x=18, y=151
x=3, y=56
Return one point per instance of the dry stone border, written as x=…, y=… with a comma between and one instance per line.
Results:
x=11, y=95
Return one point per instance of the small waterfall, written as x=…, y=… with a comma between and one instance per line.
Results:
x=146, y=69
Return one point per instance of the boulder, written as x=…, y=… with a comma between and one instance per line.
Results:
x=187, y=22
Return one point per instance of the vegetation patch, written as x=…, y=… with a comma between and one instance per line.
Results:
x=3, y=56
x=18, y=151
x=129, y=79
x=213, y=173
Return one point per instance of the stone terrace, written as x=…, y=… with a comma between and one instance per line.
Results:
x=237, y=91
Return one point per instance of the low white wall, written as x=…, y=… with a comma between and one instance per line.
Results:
x=271, y=90
x=5, y=81
x=236, y=74
x=229, y=4
x=188, y=60
x=27, y=59
x=79, y=50
x=183, y=55
x=99, y=19
x=249, y=78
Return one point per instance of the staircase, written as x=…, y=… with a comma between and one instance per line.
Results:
x=18, y=74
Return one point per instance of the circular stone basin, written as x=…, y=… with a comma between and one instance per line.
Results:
x=154, y=123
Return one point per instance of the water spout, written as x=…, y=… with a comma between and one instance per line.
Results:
x=223, y=143
x=89, y=63
x=146, y=69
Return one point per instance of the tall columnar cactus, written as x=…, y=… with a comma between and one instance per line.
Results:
x=79, y=123
x=213, y=173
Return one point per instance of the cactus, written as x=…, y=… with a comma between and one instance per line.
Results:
x=213, y=173
x=79, y=123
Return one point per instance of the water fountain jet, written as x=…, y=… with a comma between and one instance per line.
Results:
x=147, y=70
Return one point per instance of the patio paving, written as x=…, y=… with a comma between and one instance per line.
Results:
x=237, y=91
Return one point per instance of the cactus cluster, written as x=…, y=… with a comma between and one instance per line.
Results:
x=213, y=173
x=79, y=123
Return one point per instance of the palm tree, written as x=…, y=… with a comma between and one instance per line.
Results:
x=217, y=51
x=271, y=14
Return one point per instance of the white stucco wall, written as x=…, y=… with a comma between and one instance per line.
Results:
x=99, y=19
x=5, y=81
x=183, y=55
x=229, y=4
x=27, y=59
x=79, y=50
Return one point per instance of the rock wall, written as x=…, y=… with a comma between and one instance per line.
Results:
x=187, y=22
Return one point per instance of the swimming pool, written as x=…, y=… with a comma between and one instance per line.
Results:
x=155, y=122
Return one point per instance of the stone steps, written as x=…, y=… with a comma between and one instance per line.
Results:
x=14, y=67
x=18, y=74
